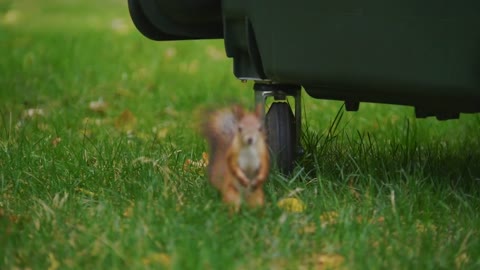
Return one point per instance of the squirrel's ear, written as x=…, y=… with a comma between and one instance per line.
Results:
x=238, y=111
x=259, y=110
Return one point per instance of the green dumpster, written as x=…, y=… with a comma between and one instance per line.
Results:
x=424, y=54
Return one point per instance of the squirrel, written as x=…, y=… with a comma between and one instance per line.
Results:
x=239, y=158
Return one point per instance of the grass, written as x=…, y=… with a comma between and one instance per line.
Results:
x=105, y=187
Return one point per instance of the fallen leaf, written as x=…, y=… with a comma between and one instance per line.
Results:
x=205, y=158
x=120, y=26
x=85, y=191
x=12, y=220
x=158, y=258
x=33, y=112
x=422, y=228
x=328, y=261
x=328, y=218
x=308, y=229
x=98, y=106
x=123, y=92
x=461, y=259
x=292, y=205
x=56, y=141
x=322, y=261
x=379, y=220
x=11, y=17
x=162, y=133
x=170, y=53
x=126, y=121
x=215, y=53
x=54, y=264
x=129, y=211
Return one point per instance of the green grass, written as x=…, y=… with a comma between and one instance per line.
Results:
x=107, y=189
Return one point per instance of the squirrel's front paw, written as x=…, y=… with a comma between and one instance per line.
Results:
x=254, y=184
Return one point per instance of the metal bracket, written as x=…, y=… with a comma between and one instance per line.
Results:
x=280, y=92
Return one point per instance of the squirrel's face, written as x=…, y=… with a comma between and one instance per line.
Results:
x=250, y=130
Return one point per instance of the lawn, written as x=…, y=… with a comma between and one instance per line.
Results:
x=98, y=123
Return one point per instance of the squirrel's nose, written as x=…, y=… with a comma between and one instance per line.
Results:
x=249, y=140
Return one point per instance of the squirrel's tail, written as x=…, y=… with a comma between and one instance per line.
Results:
x=219, y=129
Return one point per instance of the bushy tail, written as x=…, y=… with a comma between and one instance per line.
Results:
x=219, y=129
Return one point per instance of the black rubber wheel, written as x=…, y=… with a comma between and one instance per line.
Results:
x=280, y=124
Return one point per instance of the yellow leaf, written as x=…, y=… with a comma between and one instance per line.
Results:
x=328, y=218
x=54, y=264
x=322, y=261
x=129, y=211
x=461, y=259
x=158, y=258
x=11, y=17
x=292, y=205
x=308, y=229
x=85, y=191
x=205, y=158
x=329, y=261
x=162, y=133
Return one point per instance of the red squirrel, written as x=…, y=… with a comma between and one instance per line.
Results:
x=239, y=158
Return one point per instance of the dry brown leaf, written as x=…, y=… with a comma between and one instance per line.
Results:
x=12, y=220
x=126, y=121
x=379, y=220
x=56, y=141
x=205, y=158
x=129, y=211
